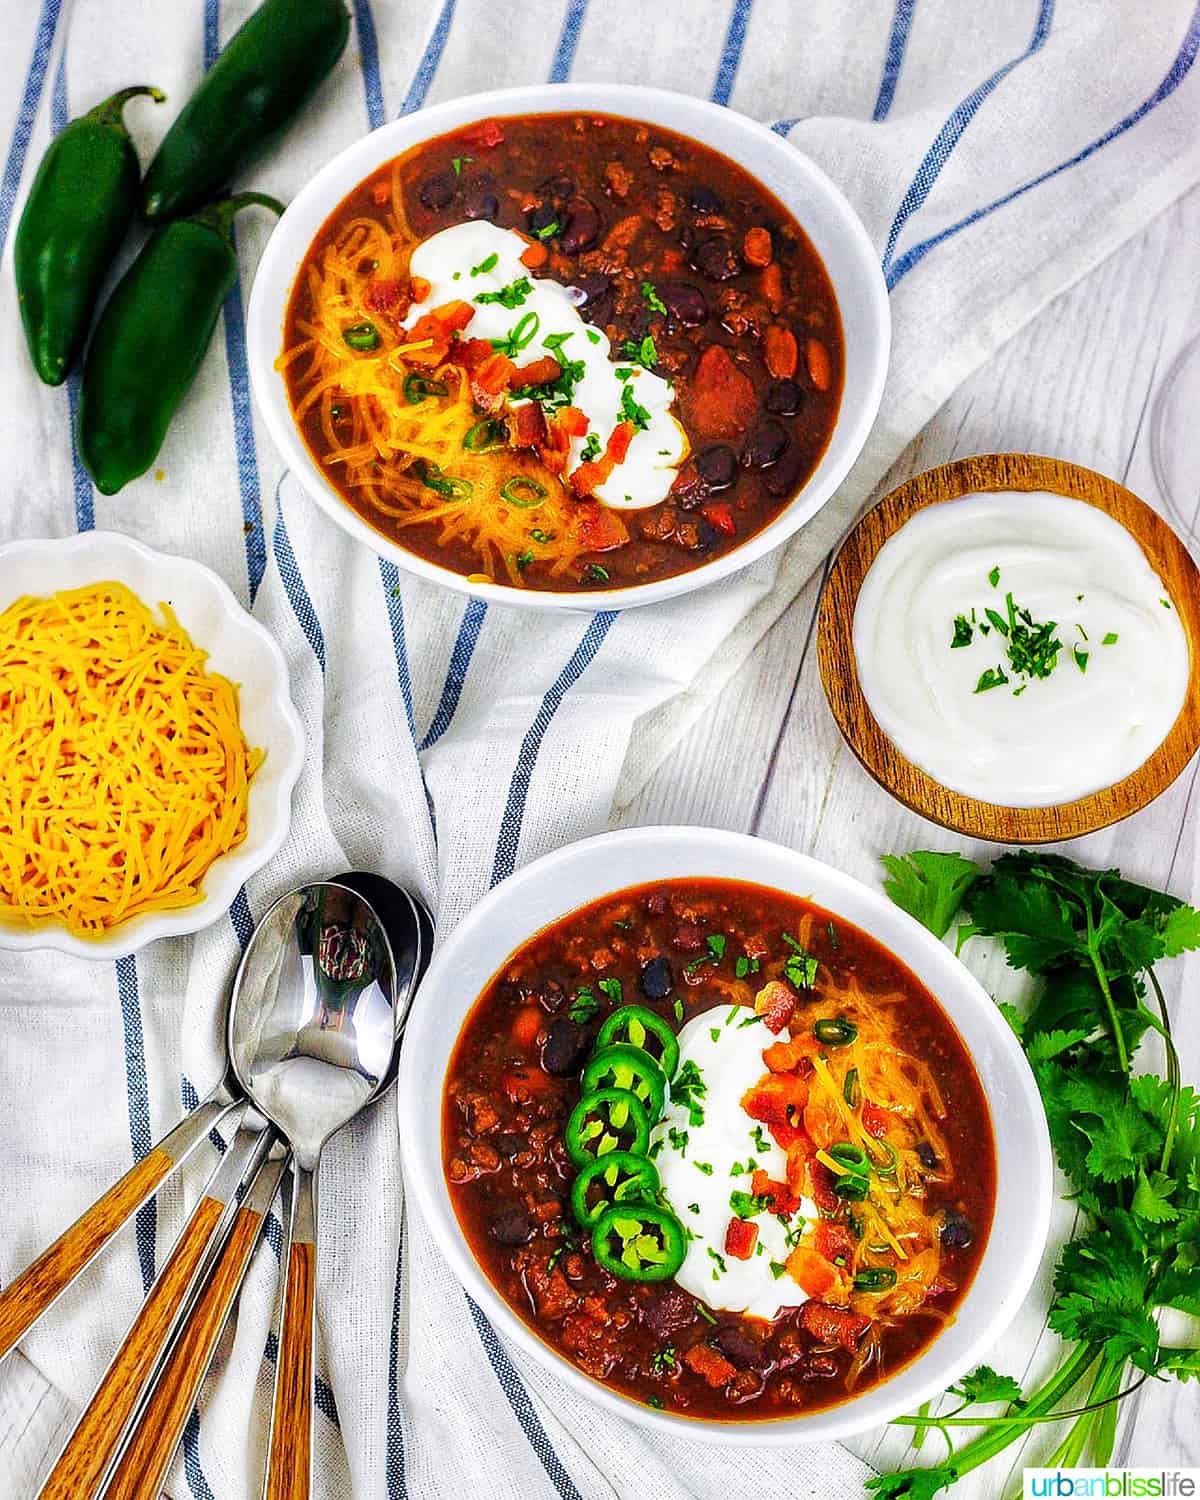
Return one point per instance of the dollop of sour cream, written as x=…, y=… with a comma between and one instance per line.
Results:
x=937, y=671
x=703, y=1161
x=477, y=258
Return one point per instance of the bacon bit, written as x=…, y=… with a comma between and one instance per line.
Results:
x=419, y=288
x=454, y=316
x=721, y=517
x=529, y=425
x=771, y=282
x=740, y=1238
x=485, y=135
x=820, y=370
x=618, y=443
x=381, y=192
x=832, y=1240
x=787, y=1136
x=623, y=233
x=386, y=297
x=756, y=247
x=437, y=327
x=783, y=1200
x=775, y=1003
x=723, y=399
x=588, y=477
x=555, y=449
x=875, y=1121
x=833, y=1325
x=491, y=378
x=813, y=1272
x=573, y=421
x=526, y=1024
x=714, y=1367
x=598, y=528
x=777, y=1099
x=534, y=255
x=785, y=1057
x=780, y=351
x=820, y=1181
x=799, y=1165
x=540, y=371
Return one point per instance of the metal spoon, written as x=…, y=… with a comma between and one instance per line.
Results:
x=319, y=1046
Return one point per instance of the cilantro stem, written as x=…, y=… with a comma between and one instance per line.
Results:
x=1093, y=951
x=1173, y=1073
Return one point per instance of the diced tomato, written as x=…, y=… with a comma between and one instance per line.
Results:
x=834, y=1241
x=783, y=1200
x=777, y=1099
x=787, y=1136
x=740, y=1238
x=598, y=528
x=526, y=1024
x=720, y=516
x=813, y=1272
x=573, y=421
x=485, y=135
x=529, y=425
x=875, y=1120
x=534, y=255
x=714, y=1367
x=540, y=371
x=618, y=443
x=555, y=448
x=775, y=1003
x=833, y=1325
x=820, y=1180
x=386, y=296
x=454, y=316
x=419, y=289
x=723, y=400
x=493, y=375
x=785, y=1057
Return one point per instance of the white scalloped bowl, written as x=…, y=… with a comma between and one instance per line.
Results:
x=572, y=877
x=240, y=649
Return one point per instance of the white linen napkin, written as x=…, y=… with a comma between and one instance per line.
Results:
x=995, y=153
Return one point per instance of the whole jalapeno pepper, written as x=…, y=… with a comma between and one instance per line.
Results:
x=151, y=338
x=255, y=88
x=79, y=207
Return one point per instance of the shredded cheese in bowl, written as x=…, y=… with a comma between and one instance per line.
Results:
x=124, y=773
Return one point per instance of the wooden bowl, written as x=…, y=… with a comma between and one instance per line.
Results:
x=907, y=782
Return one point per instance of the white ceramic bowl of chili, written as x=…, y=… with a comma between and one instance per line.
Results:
x=823, y=212
x=561, y=882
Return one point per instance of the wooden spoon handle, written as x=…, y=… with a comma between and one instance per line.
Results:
x=289, y=1463
x=143, y=1467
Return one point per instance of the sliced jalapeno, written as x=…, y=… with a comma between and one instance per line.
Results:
x=854, y=1185
x=641, y=1242
x=418, y=388
x=606, y=1121
x=875, y=1279
x=626, y=1067
x=835, y=1032
x=851, y=1092
x=362, y=336
x=486, y=434
x=523, y=492
x=449, y=485
x=620, y=1177
x=638, y=1026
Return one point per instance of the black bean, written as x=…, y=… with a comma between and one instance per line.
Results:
x=785, y=477
x=928, y=1156
x=582, y=227
x=543, y=217
x=601, y=309
x=480, y=205
x=717, y=466
x=684, y=302
x=512, y=1143
x=560, y=187
x=511, y=1227
x=703, y=199
x=783, y=398
x=956, y=1230
x=592, y=284
x=745, y=1352
x=437, y=191
x=716, y=258
x=765, y=445
x=563, y=1049
x=657, y=978
x=669, y=1312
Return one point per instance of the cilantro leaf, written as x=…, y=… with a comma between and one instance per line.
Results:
x=1180, y=931
x=983, y=1385
x=929, y=886
x=1151, y=1200
x=912, y=1484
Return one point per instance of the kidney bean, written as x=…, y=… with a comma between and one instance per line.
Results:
x=765, y=445
x=437, y=192
x=600, y=309
x=928, y=1156
x=703, y=199
x=684, y=302
x=482, y=205
x=512, y=1227
x=716, y=258
x=783, y=398
x=786, y=476
x=717, y=466
x=560, y=186
x=563, y=1049
x=582, y=226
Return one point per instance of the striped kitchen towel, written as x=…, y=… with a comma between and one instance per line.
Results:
x=995, y=153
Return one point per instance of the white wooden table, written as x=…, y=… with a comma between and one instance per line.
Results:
x=1077, y=383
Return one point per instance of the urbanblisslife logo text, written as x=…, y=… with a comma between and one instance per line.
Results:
x=1112, y=1484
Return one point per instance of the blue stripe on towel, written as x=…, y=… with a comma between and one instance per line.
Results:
x=514, y=812
x=1177, y=72
x=418, y=89
x=568, y=41
x=893, y=59
x=952, y=132
x=197, y=1483
x=456, y=675
x=190, y=1098
x=239, y=378
x=138, y=1094
x=35, y=79
x=389, y=577
x=240, y=918
x=397, y=1482
x=368, y=56
x=731, y=53
x=294, y=586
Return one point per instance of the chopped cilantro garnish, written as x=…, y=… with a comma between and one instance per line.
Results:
x=800, y=967
x=547, y=231
x=633, y=411
x=584, y=1006
x=643, y=351
x=963, y=631
x=593, y=336
x=489, y=264
x=653, y=301
x=992, y=678
x=715, y=1033
x=598, y=574
x=678, y=1139
x=1110, y=639
x=458, y=163
x=612, y=988
x=704, y=1166
x=510, y=296
x=591, y=447
x=777, y=1269
x=994, y=577
x=688, y=1088
x=722, y=1267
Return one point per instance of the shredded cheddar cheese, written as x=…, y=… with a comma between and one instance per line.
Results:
x=124, y=772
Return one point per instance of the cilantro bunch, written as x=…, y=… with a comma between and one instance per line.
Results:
x=1128, y=1143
